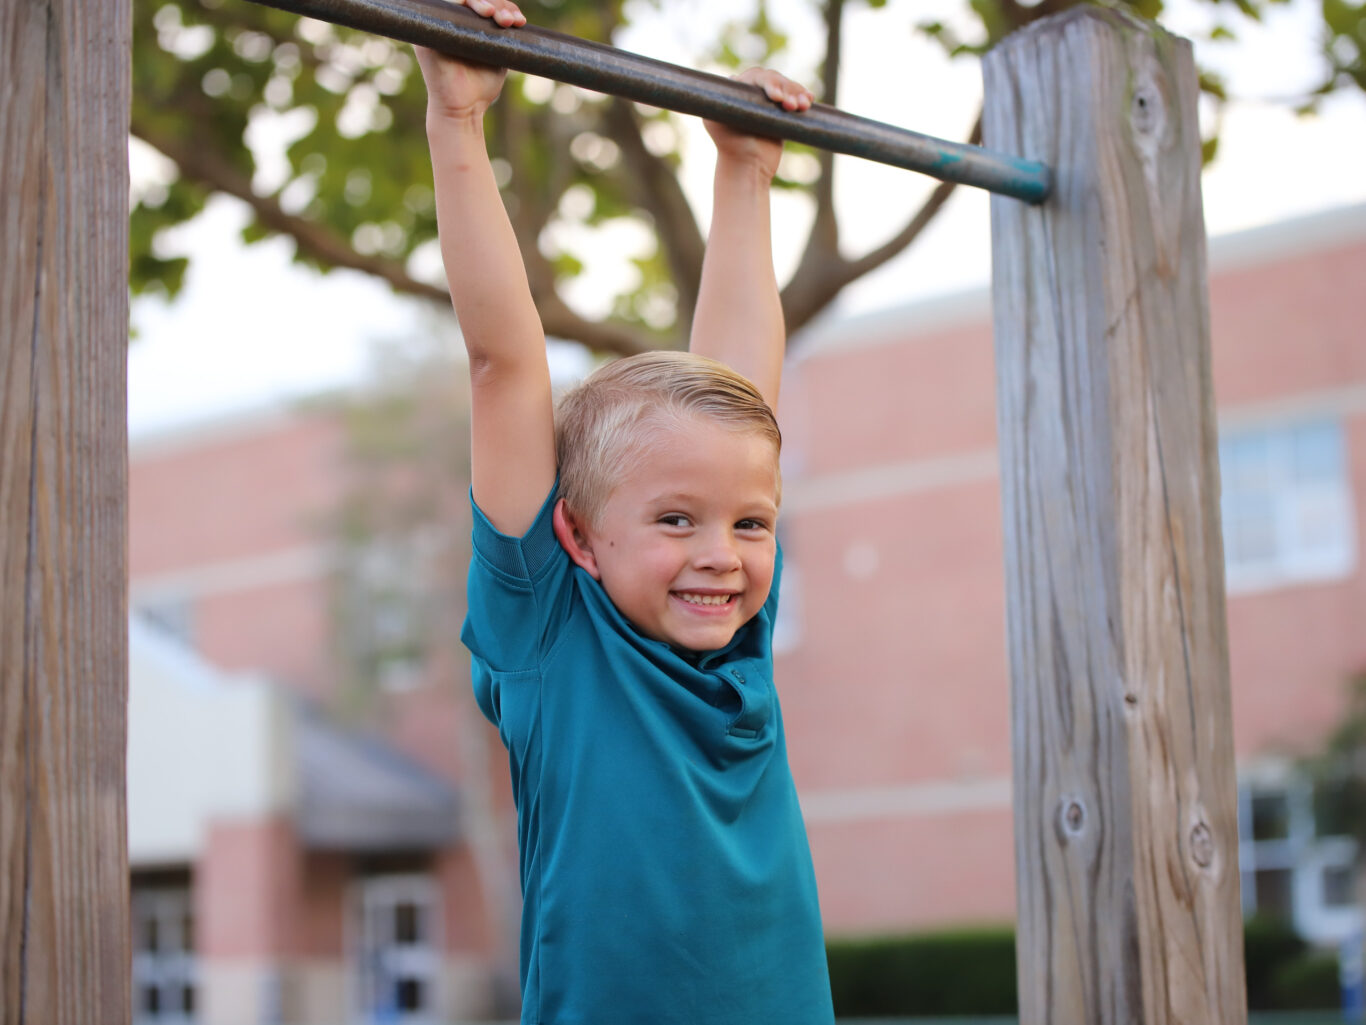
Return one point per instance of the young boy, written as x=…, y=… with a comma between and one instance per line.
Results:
x=621, y=627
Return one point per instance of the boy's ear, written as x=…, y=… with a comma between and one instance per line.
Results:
x=574, y=539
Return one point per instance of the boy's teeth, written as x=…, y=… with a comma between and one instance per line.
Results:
x=704, y=599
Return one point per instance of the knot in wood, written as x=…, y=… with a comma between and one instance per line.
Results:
x=1202, y=845
x=1073, y=815
x=1147, y=111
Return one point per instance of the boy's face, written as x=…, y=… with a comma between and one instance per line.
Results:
x=685, y=544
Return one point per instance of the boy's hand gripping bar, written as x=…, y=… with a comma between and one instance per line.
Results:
x=459, y=32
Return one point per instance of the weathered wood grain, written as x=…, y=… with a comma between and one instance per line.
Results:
x=64, y=92
x=1125, y=792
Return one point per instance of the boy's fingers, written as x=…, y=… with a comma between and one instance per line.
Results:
x=504, y=12
x=778, y=88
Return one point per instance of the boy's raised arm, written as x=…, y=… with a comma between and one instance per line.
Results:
x=739, y=318
x=512, y=416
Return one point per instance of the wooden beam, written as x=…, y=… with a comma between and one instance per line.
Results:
x=1125, y=789
x=64, y=101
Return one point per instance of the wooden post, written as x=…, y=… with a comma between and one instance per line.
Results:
x=64, y=101
x=1125, y=790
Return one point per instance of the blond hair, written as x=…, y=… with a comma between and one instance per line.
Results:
x=601, y=425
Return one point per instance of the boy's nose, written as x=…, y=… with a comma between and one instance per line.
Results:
x=717, y=552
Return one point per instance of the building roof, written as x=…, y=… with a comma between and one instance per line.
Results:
x=359, y=794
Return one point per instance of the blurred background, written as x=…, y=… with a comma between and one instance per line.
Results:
x=320, y=823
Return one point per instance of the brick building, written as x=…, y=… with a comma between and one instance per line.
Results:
x=892, y=516
x=892, y=666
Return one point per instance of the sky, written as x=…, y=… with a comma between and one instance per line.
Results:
x=250, y=329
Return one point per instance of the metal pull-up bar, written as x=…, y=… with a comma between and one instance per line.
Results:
x=461, y=33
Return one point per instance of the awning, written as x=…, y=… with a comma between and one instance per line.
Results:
x=358, y=794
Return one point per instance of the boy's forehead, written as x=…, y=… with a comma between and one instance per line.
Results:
x=673, y=469
x=681, y=433
x=674, y=448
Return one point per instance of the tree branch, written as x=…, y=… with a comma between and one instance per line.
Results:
x=823, y=241
x=657, y=190
x=601, y=336
x=818, y=281
x=917, y=223
x=200, y=163
x=529, y=206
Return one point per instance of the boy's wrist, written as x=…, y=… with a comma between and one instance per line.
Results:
x=468, y=121
x=747, y=169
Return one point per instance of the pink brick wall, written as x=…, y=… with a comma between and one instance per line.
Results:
x=289, y=639
x=242, y=494
x=885, y=875
x=1290, y=327
x=248, y=891
x=901, y=675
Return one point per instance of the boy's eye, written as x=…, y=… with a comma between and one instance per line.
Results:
x=751, y=525
x=674, y=520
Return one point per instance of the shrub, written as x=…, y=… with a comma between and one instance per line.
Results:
x=1268, y=944
x=970, y=971
x=1308, y=983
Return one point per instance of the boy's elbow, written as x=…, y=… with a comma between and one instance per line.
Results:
x=481, y=363
x=487, y=360
x=496, y=371
x=486, y=372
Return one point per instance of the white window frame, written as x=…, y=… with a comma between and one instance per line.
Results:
x=1290, y=562
x=1303, y=854
x=173, y=966
x=376, y=958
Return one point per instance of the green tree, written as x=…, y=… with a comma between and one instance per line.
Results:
x=357, y=193
x=400, y=533
x=400, y=537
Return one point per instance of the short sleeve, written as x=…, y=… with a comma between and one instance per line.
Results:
x=771, y=605
x=516, y=592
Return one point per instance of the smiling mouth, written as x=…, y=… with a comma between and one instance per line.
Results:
x=711, y=600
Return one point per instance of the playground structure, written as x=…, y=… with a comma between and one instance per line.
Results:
x=1126, y=843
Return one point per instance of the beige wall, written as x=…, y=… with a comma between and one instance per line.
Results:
x=200, y=748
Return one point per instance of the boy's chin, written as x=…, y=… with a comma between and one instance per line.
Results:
x=701, y=641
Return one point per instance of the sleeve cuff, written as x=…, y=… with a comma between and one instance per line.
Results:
x=517, y=556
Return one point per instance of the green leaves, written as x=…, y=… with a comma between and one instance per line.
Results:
x=320, y=131
x=1344, y=44
x=749, y=41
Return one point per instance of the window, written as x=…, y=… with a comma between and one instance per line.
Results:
x=162, y=918
x=1297, y=860
x=1286, y=505
x=397, y=949
x=1337, y=886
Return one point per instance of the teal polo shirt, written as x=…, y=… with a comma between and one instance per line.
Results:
x=666, y=876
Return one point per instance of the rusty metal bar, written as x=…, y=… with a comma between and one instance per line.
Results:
x=462, y=33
